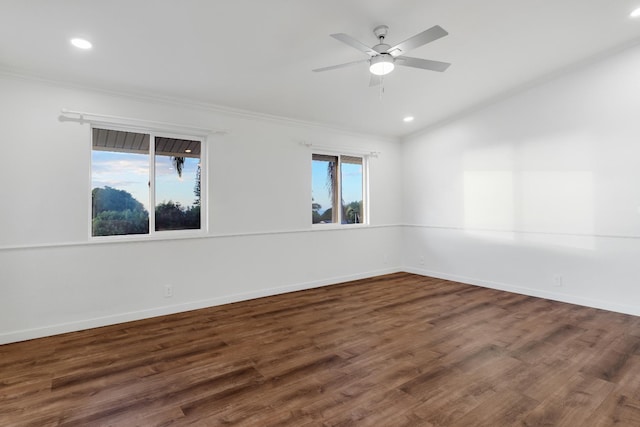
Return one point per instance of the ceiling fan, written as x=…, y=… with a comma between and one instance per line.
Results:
x=383, y=58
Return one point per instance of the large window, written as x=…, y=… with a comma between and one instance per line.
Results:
x=338, y=189
x=132, y=176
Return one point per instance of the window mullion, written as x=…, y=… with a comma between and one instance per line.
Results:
x=338, y=184
x=152, y=184
x=203, y=185
x=334, y=192
x=365, y=191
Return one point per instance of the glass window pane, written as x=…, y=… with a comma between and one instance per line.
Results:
x=323, y=189
x=177, y=184
x=351, y=183
x=119, y=182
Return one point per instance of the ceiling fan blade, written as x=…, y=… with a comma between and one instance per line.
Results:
x=425, y=64
x=347, y=39
x=427, y=36
x=346, y=64
x=375, y=80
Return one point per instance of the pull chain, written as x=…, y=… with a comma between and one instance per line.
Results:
x=381, y=38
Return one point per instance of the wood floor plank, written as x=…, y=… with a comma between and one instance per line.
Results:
x=505, y=408
x=571, y=405
x=619, y=410
x=394, y=350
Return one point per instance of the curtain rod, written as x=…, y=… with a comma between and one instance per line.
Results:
x=95, y=118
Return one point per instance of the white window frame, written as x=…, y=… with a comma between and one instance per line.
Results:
x=365, y=187
x=153, y=234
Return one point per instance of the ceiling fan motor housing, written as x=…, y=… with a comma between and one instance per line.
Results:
x=381, y=48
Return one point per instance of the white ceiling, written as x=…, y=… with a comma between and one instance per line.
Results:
x=257, y=55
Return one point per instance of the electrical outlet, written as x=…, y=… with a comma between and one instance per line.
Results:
x=168, y=291
x=558, y=280
x=421, y=260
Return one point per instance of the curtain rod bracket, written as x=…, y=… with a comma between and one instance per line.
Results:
x=338, y=150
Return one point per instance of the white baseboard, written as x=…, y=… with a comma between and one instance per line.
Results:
x=27, y=334
x=45, y=331
x=555, y=296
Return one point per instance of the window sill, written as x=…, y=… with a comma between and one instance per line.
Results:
x=334, y=226
x=162, y=235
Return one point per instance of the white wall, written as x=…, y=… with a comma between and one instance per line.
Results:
x=545, y=183
x=53, y=279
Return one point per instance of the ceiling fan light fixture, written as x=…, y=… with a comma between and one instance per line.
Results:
x=382, y=65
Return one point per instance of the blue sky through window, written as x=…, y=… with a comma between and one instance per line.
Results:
x=171, y=187
x=351, y=183
x=130, y=172
x=320, y=187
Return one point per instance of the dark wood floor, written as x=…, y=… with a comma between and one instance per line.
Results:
x=398, y=350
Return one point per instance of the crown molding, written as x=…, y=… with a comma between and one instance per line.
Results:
x=188, y=103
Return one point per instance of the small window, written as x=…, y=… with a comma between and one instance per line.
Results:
x=338, y=189
x=129, y=174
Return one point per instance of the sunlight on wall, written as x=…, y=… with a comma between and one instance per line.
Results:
x=489, y=200
x=554, y=207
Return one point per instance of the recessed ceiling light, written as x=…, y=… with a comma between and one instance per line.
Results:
x=81, y=43
x=408, y=119
x=635, y=13
x=187, y=150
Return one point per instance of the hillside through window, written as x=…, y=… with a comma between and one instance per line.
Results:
x=131, y=177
